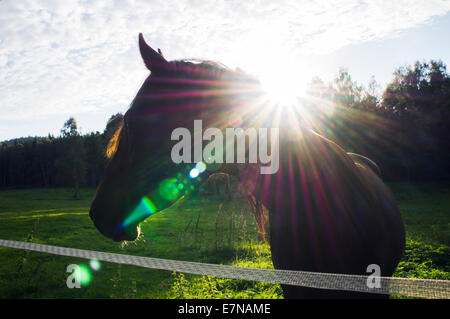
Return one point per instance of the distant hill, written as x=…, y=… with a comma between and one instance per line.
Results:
x=24, y=139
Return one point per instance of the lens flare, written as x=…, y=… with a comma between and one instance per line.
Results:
x=168, y=189
x=201, y=167
x=194, y=173
x=83, y=275
x=144, y=209
x=95, y=264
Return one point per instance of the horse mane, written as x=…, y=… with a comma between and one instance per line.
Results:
x=113, y=142
x=205, y=64
x=210, y=71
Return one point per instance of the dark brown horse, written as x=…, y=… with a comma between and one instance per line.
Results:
x=328, y=211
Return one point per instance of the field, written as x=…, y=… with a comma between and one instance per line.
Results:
x=204, y=230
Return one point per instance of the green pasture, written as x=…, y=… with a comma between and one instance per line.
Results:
x=204, y=230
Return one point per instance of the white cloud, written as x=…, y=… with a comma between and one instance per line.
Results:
x=65, y=57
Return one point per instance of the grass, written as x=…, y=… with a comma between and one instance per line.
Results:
x=202, y=230
x=426, y=213
x=193, y=230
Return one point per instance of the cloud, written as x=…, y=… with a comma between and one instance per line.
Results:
x=73, y=56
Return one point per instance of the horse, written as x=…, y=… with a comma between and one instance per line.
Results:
x=328, y=211
x=219, y=186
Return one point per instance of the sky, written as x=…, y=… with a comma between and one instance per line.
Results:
x=80, y=58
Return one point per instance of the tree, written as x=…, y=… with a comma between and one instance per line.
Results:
x=95, y=157
x=419, y=97
x=71, y=164
x=371, y=97
x=347, y=92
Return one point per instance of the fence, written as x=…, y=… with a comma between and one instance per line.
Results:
x=422, y=288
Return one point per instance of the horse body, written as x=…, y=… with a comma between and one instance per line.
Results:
x=329, y=214
x=328, y=211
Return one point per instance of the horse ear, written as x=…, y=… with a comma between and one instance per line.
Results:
x=153, y=60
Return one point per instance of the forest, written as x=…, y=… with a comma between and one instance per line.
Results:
x=404, y=128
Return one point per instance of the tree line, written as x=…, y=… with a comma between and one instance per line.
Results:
x=404, y=129
x=70, y=159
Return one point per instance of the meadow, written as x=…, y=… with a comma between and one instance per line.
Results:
x=202, y=229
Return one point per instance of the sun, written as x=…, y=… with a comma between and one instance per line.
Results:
x=284, y=76
x=283, y=88
x=286, y=98
x=284, y=81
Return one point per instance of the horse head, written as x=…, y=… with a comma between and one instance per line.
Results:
x=141, y=178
